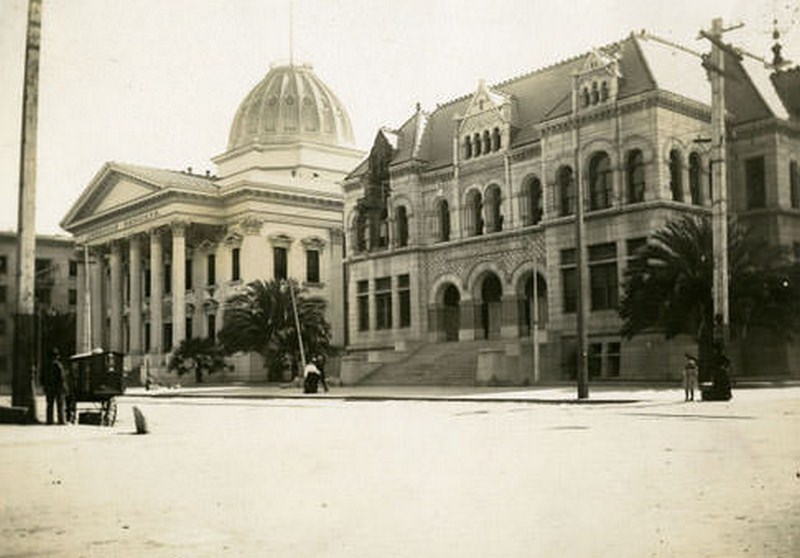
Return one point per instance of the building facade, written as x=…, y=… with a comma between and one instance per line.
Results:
x=56, y=292
x=164, y=249
x=461, y=229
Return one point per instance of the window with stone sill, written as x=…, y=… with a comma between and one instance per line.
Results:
x=600, y=182
x=635, y=176
x=695, y=177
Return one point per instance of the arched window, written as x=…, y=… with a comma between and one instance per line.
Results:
x=444, y=221
x=695, y=174
x=532, y=201
x=585, y=96
x=635, y=176
x=401, y=226
x=361, y=226
x=493, y=215
x=476, y=145
x=676, y=175
x=604, y=91
x=566, y=190
x=487, y=141
x=496, y=140
x=383, y=229
x=595, y=93
x=467, y=147
x=600, y=183
x=474, y=214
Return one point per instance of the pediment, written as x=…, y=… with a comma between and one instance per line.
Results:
x=110, y=189
x=598, y=61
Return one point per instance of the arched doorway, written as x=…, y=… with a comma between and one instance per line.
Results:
x=491, y=306
x=452, y=313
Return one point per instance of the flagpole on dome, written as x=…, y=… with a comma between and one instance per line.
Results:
x=291, y=32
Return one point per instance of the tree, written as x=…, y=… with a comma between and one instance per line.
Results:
x=668, y=286
x=198, y=355
x=261, y=319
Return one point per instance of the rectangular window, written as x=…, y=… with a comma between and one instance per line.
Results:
x=312, y=266
x=235, y=264
x=212, y=326
x=43, y=296
x=383, y=303
x=755, y=180
x=404, y=299
x=167, y=278
x=2, y=326
x=3, y=293
x=280, y=263
x=362, y=297
x=569, y=280
x=603, y=276
x=794, y=184
x=188, y=274
x=189, y=325
x=147, y=282
x=211, y=270
x=73, y=268
x=73, y=297
x=167, y=338
x=613, y=359
x=147, y=337
x=595, y=362
x=3, y=265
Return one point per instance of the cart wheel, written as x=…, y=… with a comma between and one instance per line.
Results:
x=109, y=412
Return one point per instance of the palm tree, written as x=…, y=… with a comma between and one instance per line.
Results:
x=668, y=286
x=261, y=319
x=198, y=355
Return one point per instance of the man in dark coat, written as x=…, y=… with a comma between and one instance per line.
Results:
x=54, y=382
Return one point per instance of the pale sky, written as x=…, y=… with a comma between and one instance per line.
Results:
x=157, y=82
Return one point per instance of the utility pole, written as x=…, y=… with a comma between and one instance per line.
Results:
x=23, y=391
x=581, y=342
x=715, y=65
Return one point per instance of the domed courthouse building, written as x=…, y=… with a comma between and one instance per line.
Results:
x=166, y=248
x=461, y=230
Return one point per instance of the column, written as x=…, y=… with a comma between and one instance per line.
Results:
x=467, y=313
x=115, y=262
x=156, y=291
x=81, y=341
x=332, y=274
x=178, y=284
x=96, y=264
x=509, y=327
x=135, y=305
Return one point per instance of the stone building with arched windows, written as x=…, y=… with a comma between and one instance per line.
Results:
x=460, y=223
x=162, y=250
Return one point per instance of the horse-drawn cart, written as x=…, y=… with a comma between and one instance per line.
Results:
x=94, y=379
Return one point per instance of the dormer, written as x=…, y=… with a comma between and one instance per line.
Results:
x=485, y=126
x=598, y=79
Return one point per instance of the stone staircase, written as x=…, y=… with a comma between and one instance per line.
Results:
x=433, y=364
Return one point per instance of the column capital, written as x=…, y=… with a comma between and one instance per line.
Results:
x=251, y=225
x=179, y=227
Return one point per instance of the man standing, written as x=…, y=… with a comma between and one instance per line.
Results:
x=689, y=378
x=53, y=381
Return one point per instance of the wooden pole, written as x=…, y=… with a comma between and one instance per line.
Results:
x=580, y=275
x=23, y=392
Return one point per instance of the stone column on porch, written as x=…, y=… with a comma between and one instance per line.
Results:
x=81, y=340
x=115, y=297
x=178, y=283
x=135, y=304
x=96, y=266
x=156, y=291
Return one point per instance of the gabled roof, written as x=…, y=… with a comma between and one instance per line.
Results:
x=646, y=63
x=118, y=184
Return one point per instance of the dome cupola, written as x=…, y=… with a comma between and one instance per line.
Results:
x=291, y=104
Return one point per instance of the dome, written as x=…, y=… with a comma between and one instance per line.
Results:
x=291, y=104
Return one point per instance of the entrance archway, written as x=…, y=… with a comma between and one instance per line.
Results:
x=452, y=313
x=491, y=306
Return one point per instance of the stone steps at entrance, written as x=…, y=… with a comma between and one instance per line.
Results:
x=434, y=364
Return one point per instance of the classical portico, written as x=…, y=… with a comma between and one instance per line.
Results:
x=162, y=250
